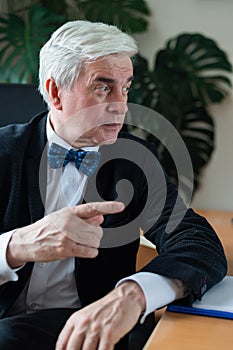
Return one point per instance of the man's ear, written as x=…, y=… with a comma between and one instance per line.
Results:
x=53, y=92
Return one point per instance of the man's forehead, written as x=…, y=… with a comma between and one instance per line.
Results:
x=114, y=75
x=111, y=61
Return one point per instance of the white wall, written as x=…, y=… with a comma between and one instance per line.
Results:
x=213, y=18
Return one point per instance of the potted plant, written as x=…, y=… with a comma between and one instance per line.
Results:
x=190, y=73
x=24, y=29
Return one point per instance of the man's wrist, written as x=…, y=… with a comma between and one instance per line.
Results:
x=158, y=290
x=132, y=290
x=10, y=255
x=7, y=273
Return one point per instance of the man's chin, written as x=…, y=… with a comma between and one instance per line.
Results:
x=108, y=141
x=109, y=136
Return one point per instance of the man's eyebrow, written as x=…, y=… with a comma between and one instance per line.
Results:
x=112, y=81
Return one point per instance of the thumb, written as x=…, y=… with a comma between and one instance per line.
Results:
x=95, y=220
x=89, y=210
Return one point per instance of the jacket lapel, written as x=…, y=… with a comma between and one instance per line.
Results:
x=36, y=171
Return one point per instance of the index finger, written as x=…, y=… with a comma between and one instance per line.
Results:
x=89, y=210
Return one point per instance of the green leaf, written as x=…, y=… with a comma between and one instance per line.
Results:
x=186, y=67
x=190, y=73
x=143, y=91
x=22, y=42
x=129, y=15
x=198, y=133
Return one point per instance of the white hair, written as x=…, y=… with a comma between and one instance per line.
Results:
x=76, y=43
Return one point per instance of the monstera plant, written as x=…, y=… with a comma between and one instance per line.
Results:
x=21, y=39
x=190, y=73
x=24, y=30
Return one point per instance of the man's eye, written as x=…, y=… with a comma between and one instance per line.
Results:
x=126, y=89
x=102, y=88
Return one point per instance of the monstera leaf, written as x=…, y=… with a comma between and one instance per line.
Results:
x=194, y=67
x=144, y=89
x=189, y=74
x=129, y=15
x=21, y=41
x=197, y=130
x=23, y=33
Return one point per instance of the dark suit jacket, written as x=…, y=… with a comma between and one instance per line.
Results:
x=191, y=252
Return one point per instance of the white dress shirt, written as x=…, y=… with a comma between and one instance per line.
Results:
x=52, y=284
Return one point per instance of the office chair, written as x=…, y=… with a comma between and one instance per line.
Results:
x=19, y=103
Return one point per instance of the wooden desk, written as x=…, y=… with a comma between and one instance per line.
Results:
x=176, y=331
x=191, y=332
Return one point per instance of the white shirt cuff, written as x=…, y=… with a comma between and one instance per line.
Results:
x=6, y=272
x=158, y=290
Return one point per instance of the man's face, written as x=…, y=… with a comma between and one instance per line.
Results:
x=93, y=111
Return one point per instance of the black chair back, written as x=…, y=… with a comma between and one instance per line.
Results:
x=19, y=103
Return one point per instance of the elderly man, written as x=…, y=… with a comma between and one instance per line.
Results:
x=69, y=234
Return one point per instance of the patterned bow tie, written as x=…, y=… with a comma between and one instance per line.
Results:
x=86, y=162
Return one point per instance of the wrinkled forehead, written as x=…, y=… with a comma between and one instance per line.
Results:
x=109, y=69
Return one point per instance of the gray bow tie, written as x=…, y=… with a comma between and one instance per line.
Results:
x=86, y=162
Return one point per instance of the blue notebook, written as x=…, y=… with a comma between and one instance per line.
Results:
x=217, y=302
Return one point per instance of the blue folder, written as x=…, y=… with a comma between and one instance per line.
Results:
x=216, y=302
x=198, y=311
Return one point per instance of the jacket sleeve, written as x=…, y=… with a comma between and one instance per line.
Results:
x=189, y=248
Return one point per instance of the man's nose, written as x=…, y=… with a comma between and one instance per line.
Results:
x=119, y=108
